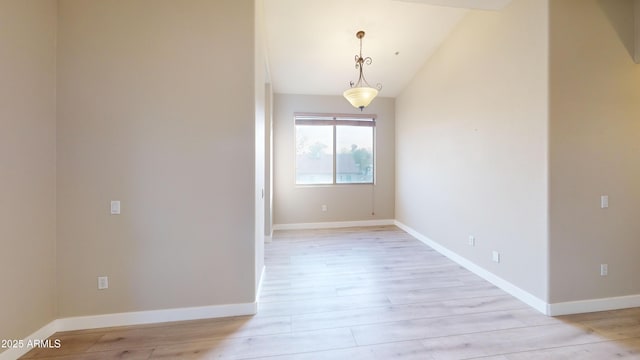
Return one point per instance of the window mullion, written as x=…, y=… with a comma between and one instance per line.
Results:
x=335, y=167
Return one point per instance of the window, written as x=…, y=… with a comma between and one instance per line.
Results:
x=334, y=149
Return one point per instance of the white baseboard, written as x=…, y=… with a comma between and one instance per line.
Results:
x=333, y=225
x=156, y=316
x=593, y=305
x=503, y=284
x=41, y=334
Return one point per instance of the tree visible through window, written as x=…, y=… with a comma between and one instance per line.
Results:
x=334, y=149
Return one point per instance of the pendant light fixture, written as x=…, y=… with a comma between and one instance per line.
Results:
x=361, y=93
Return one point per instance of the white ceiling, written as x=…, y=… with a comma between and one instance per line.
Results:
x=311, y=45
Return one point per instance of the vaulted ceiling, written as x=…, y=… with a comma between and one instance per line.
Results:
x=311, y=45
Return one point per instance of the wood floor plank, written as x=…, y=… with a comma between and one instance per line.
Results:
x=393, y=313
x=185, y=332
x=508, y=341
x=616, y=327
x=297, y=294
x=593, y=351
x=309, y=279
x=259, y=346
x=434, y=327
x=369, y=277
x=328, y=304
x=407, y=350
x=137, y=354
x=394, y=286
x=448, y=293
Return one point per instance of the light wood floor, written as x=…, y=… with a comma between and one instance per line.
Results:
x=367, y=293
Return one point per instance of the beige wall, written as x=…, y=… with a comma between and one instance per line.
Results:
x=302, y=204
x=472, y=144
x=28, y=166
x=156, y=109
x=594, y=147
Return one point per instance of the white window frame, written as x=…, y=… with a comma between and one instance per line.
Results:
x=335, y=120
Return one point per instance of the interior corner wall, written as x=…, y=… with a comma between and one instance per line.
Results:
x=260, y=79
x=268, y=209
x=471, y=135
x=594, y=150
x=302, y=204
x=28, y=166
x=152, y=112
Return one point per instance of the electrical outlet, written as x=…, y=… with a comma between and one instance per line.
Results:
x=604, y=269
x=495, y=256
x=115, y=207
x=103, y=282
x=604, y=201
x=472, y=240
x=324, y=208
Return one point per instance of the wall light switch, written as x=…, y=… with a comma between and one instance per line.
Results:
x=103, y=282
x=472, y=240
x=324, y=208
x=115, y=207
x=604, y=201
x=495, y=256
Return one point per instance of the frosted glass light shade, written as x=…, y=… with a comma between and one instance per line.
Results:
x=360, y=97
